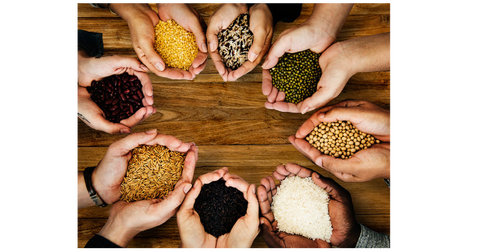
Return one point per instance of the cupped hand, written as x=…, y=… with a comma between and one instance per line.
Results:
x=345, y=227
x=128, y=219
x=192, y=232
x=246, y=228
x=108, y=175
x=96, y=69
x=269, y=230
x=220, y=20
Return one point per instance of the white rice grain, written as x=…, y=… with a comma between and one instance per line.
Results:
x=301, y=207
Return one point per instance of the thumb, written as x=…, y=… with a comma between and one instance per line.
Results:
x=200, y=38
x=175, y=198
x=252, y=208
x=126, y=144
x=191, y=196
x=277, y=50
x=110, y=127
x=259, y=37
x=331, y=84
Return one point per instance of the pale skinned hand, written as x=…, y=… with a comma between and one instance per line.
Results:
x=345, y=228
x=338, y=63
x=243, y=233
x=364, y=165
x=110, y=171
x=261, y=25
x=141, y=20
x=90, y=69
x=128, y=219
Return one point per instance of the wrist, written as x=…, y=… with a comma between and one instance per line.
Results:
x=352, y=237
x=117, y=233
x=128, y=11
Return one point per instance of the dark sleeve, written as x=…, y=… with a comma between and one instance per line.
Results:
x=99, y=241
x=285, y=12
x=91, y=43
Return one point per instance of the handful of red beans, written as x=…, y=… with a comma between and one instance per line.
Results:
x=119, y=96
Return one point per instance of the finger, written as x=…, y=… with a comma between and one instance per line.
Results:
x=213, y=176
x=173, y=200
x=266, y=82
x=200, y=38
x=125, y=145
x=280, y=173
x=128, y=62
x=219, y=65
x=189, y=165
x=320, y=98
x=333, y=189
x=191, y=196
x=214, y=27
x=242, y=70
x=252, y=207
x=286, y=107
x=150, y=57
x=135, y=118
x=259, y=38
x=170, y=142
x=147, y=86
x=200, y=68
x=298, y=170
x=268, y=234
x=104, y=125
x=264, y=203
x=277, y=50
x=272, y=97
x=232, y=180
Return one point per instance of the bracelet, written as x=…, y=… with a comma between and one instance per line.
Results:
x=87, y=174
x=108, y=7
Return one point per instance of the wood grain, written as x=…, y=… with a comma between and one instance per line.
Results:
x=229, y=123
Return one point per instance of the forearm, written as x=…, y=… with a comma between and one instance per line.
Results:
x=83, y=196
x=128, y=11
x=330, y=17
x=370, y=53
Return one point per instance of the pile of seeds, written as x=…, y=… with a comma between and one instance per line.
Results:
x=219, y=207
x=152, y=172
x=297, y=74
x=301, y=207
x=339, y=139
x=176, y=46
x=119, y=96
x=234, y=42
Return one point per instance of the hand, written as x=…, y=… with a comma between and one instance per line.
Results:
x=246, y=228
x=192, y=232
x=364, y=165
x=345, y=228
x=141, y=20
x=128, y=219
x=108, y=175
x=275, y=239
x=316, y=34
x=261, y=25
x=90, y=69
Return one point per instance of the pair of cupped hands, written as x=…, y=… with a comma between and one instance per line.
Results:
x=126, y=220
x=142, y=19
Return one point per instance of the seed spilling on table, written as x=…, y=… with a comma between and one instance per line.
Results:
x=219, y=207
x=235, y=41
x=119, y=96
x=297, y=74
x=340, y=139
x=152, y=172
x=176, y=46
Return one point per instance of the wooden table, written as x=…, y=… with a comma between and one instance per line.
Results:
x=229, y=123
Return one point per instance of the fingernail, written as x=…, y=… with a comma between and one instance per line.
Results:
x=204, y=47
x=254, y=188
x=186, y=188
x=252, y=56
x=197, y=182
x=153, y=131
x=124, y=131
x=261, y=222
x=305, y=109
x=212, y=48
x=264, y=64
x=317, y=175
x=159, y=66
x=145, y=68
x=321, y=115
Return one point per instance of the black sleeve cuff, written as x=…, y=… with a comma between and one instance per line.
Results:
x=99, y=241
x=284, y=12
x=91, y=43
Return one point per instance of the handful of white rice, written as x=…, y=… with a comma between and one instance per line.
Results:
x=301, y=207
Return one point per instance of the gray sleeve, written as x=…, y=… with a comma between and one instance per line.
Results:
x=371, y=239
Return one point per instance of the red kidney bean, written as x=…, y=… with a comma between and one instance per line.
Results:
x=119, y=96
